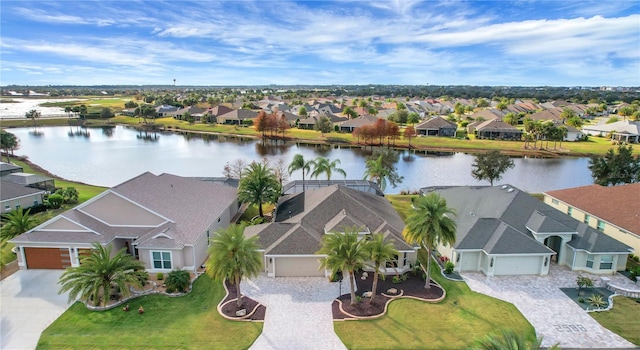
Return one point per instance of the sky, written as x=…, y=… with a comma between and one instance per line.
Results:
x=512, y=43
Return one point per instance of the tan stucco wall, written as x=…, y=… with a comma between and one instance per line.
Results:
x=297, y=267
x=580, y=263
x=117, y=211
x=628, y=238
x=24, y=202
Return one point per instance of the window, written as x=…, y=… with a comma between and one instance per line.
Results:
x=606, y=262
x=36, y=200
x=590, y=260
x=208, y=238
x=555, y=201
x=392, y=263
x=587, y=217
x=161, y=260
x=601, y=225
x=7, y=207
x=404, y=259
x=17, y=206
x=570, y=211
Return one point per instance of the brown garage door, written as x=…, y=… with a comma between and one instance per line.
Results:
x=47, y=258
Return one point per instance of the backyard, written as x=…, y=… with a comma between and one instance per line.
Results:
x=187, y=322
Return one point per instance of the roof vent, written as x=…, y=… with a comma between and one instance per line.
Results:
x=510, y=190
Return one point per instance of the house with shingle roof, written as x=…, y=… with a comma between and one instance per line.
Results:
x=14, y=196
x=309, y=123
x=165, y=221
x=611, y=210
x=497, y=129
x=502, y=230
x=437, y=126
x=624, y=130
x=289, y=243
x=236, y=116
x=362, y=120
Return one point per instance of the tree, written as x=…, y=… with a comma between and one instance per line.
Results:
x=178, y=280
x=324, y=165
x=429, y=225
x=323, y=124
x=233, y=256
x=345, y=252
x=234, y=169
x=258, y=185
x=615, y=168
x=69, y=195
x=625, y=112
x=490, y=166
x=502, y=106
x=568, y=113
x=349, y=112
x=574, y=121
x=363, y=104
x=379, y=252
x=409, y=132
x=8, y=143
x=413, y=118
x=55, y=201
x=83, y=111
x=481, y=102
x=402, y=116
x=511, y=118
x=298, y=163
x=380, y=167
x=100, y=273
x=69, y=109
x=509, y=340
x=260, y=122
x=106, y=113
x=33, y=115
x=16, y=222
x=302, y=111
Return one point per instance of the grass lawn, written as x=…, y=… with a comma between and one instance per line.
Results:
x=457, y=322
x=252, y=211
x=622, y=319
x=188, y=322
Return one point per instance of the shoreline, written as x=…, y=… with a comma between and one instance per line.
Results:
x=42, y=170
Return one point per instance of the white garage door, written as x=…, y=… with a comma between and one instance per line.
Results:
x=298, y=267
x=515, y=265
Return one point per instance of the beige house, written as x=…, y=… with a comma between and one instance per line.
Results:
x=289, y=243
x=163, y=220
x=14, y=196
x=611, y=210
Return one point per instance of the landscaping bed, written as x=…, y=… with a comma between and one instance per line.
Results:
x=582, y=296
x=229, y=308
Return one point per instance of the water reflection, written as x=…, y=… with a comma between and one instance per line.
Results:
x=110, y=157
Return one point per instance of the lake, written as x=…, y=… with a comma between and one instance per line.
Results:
x=109, y=156
x=19, y=106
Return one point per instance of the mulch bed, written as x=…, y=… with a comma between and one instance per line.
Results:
x=248, y=304
x=413, y=286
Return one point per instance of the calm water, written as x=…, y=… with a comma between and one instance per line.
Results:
x=110, y=156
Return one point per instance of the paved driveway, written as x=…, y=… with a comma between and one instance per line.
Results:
x=29, y=303
x=554, y=315
x=298, y=312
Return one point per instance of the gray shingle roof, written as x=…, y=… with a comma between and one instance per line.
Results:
x=436, y=123
x=9, y=190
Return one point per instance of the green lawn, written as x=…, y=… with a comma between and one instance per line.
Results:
x=188, y=322
x=457, y=322
x=622, y=319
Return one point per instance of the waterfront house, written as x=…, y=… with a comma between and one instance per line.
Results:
x=497, y=129
x=14, y=196
x=236, y=116
x=436, y=126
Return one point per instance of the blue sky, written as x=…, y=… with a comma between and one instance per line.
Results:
x=558, y=43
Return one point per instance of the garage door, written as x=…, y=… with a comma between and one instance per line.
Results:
x=298, y=267
x=47, y=258
x=515, y=265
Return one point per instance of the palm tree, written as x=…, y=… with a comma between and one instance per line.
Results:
x=16, y=222
x=510, y=340
x=345, y=252
x=298, y=163
x=323, y=165
x=232, y=256
x=379, y=253
x=33, y=115
x=8, y=143
x=375, y=170
x=258, y=185
x=430, y=225
x=68, y=110
x=101, y=272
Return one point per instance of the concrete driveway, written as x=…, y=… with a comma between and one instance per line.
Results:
x=555, y=317
x=298, y=312
x=29, y=303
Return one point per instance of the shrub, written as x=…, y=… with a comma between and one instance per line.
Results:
x=597, y=300
x=396, y=279
x=178, y=281
x=55, y=201
x=581, y=300
x=160, y=276
x=448, y=267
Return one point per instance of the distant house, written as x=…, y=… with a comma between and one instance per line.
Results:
x=497, y=129
x=352, y=124
x=8, y=168
x=544, y=115
x=14, y=196
x=617, y=217
x=165, y=221
x=129, y=112
x=309, y=123
x=31, y=180
x=289, y=243
x=504, y=231
x=236, y=116
x=624, y=130
x=212, y=113
x=437, y=126
x=573, y=134
x=165, y=111
x=195, y=112
x=295, y=186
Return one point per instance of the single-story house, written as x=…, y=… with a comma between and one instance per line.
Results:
x=296, y=186
x=236, y=116
x=289, y=243
x=310, y=123
x=14, y=196
x=362, y=120
x=502, y=230
x=165, y=221
x=544, y=115
x=573, y=134
x=497, y=129
x=8, y=168
x=624, y=130
x=165, y=110
x=31, y=180
x=618, y=217
x=437, y=126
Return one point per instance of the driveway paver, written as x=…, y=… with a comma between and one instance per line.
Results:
x=555, y=317
x=29, y=303
x=298, y=312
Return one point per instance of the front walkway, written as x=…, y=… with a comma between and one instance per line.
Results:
x=554, y=316
x=298, y=312
x=30, y=303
